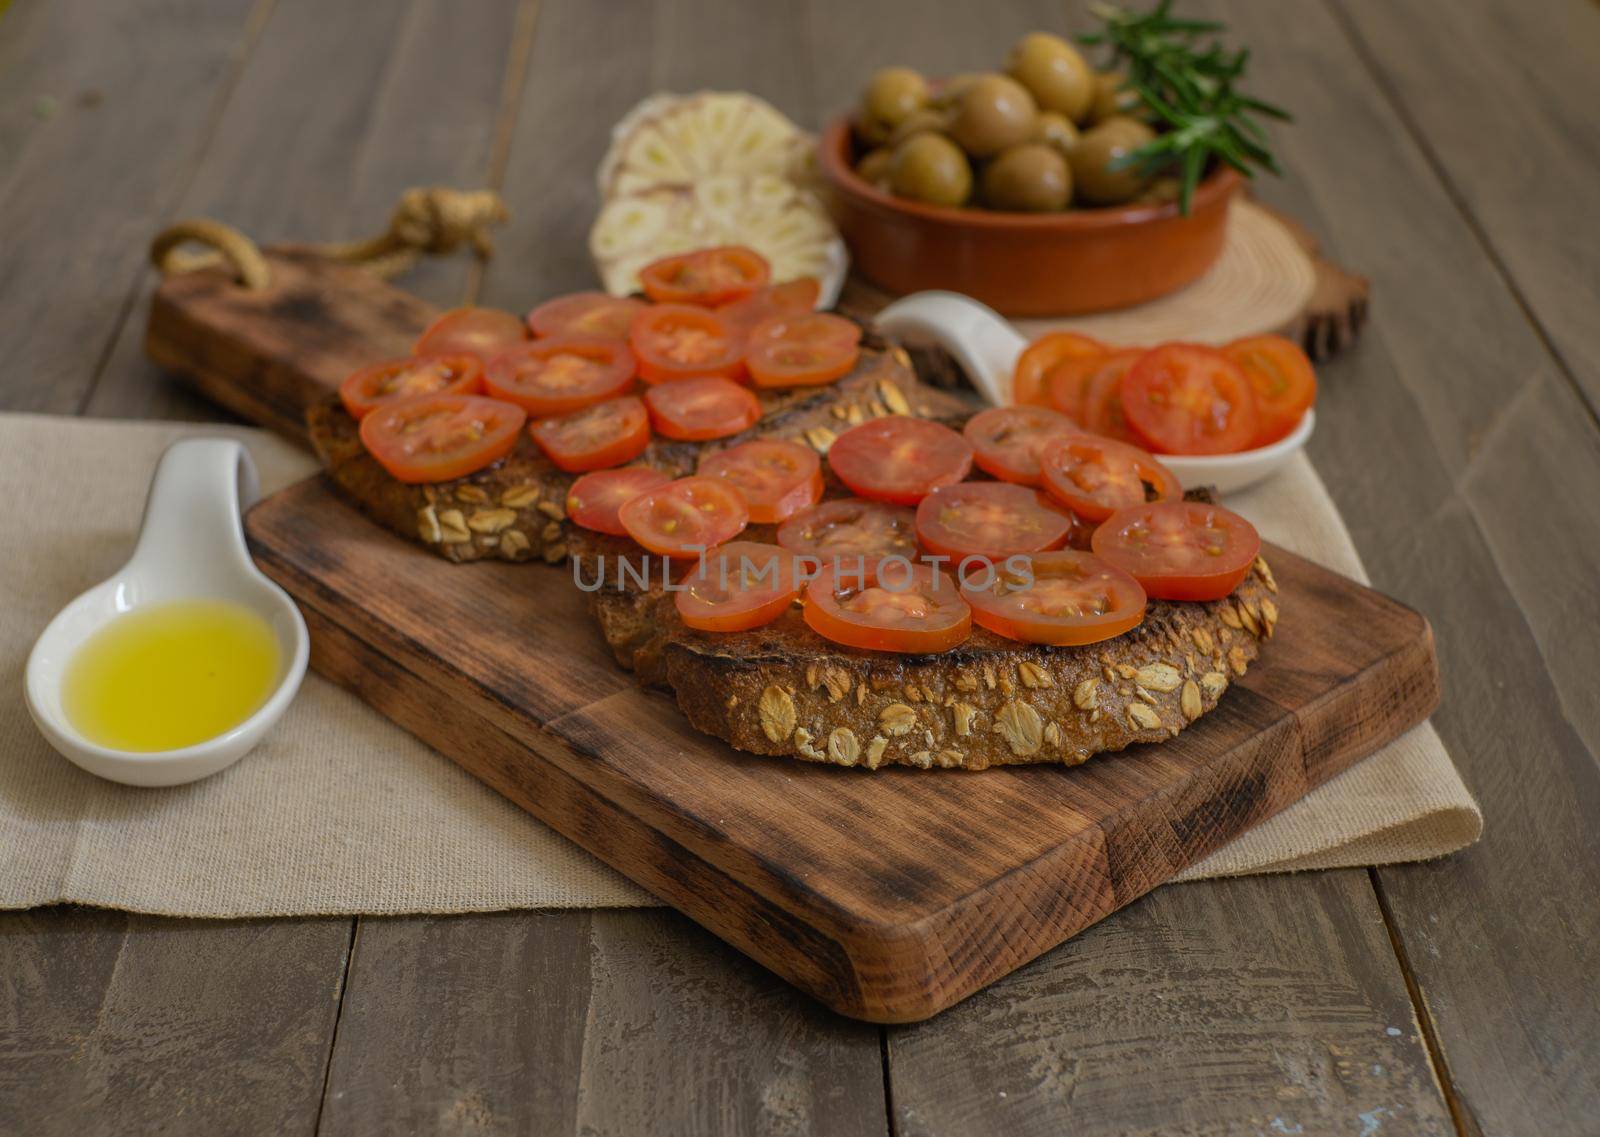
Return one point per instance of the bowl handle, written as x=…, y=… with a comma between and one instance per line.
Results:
x=981, y=340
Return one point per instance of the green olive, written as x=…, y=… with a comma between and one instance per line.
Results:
x=892, y=94
x=1162, y=191
x=1056, y=130
x=1098, y=151
x=929, y=167
x=1111, y=97
x=951, y=90
x=1031, y=178
x=918, y=121
x=993, y=114
x=1054, y=73
x=874, y=166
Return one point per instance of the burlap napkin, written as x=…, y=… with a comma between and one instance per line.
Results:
x=339, y=811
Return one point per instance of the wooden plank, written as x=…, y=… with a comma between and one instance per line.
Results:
x=777, y=858
x=105, y=106
x=1494, y=80
x=577, y=1022
x=849, y=41
x=113, y=1023
x=370, y=99
x=1447, y=441
x=1186, y=1018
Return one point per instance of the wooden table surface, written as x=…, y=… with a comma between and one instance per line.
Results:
x=1450, y=152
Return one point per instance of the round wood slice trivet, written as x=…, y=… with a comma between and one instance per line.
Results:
x=1270, y=278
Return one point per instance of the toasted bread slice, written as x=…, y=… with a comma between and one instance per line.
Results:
x=516, y=509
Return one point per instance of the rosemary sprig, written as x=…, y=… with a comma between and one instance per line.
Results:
x=1190, y=88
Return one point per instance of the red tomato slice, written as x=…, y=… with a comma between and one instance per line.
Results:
x=1039, y=357
x=606, y=434
x=1007, y=441
x=1283, y=380
x=707, y=276
x=990, y=521
x=1184, y=399
x=594, y=499
x=899, y=459
x=851, y=530
x=1066, y=383
x=740, y=585
x=593, y=315
x=791, y=298
x=484, y=332
x=807, y=328
x=560, y=373
x=1101, y=411
x=1180, y=550
x=782, y=364
x=440, y=437
x=677, y=341
x=686, y=517
x=398, y=379
x=1063, y=598
x=899, y=606
x=693, y=410
x=777, y=479
x=1094, y=477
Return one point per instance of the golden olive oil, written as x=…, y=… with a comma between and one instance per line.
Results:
x=171, y=675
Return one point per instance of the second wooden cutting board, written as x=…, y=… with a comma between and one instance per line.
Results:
x=887, y=895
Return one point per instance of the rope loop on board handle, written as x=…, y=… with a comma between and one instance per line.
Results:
x=428, y=220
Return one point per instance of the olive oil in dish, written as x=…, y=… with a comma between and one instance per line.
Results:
x=171, y=675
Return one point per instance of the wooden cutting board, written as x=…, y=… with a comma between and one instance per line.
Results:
x=888, y=895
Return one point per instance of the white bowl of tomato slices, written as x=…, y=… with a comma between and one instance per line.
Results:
x=1225, y=417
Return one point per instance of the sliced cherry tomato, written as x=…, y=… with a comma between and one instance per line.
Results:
x=678, y=341
x=707, y=276
x=1283, y=380
x=897, y=606
x=693, y=410
x=606, y=434
x=594, y=499
x=560, y=373
x=899, y=459
x=398, y=379
x=990, y=520
x=1061, y=598
x=740, y=585
x=1094, y=477
x=1039, y=357
x=1180, y=550
x=1181, y=398
x=440, y=437
x=686, y=517
x=1102, y=411
x=484, y=332
x=791, y=298
x=807, y=350
x=1066, y=383
x=851, y=530
x=593, y=315
x=777, y=479
x=1007, y=441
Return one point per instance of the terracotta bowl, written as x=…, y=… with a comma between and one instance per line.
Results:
x=1025, y=264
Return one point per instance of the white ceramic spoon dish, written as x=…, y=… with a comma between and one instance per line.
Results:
x=191, y=547
x=986, y=346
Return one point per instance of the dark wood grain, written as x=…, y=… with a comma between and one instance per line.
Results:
x=776, y=857
x=1502, y=78
x=113, y=1023
x=1466, y=468
x=1186, y=1019
x=367, y=100
x=606, y=1022
x=103, y=107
